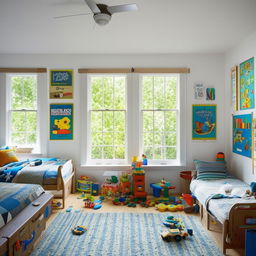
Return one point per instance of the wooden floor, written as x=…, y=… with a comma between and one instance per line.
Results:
x=107, y=206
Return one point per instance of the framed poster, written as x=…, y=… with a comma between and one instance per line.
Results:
x=210, y=93
x=199, y=91
x=234, y=88
x=61, y=121
x=254, y=146
x=242, y=135
x=61, y=84
x=247, y=84
x=204, y=123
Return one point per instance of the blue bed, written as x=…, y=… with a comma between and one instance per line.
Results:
x=14, y=198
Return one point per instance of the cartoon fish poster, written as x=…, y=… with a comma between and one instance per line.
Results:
x=61, y=121
x=204, y=123
x=242, y=135
x=247, y=84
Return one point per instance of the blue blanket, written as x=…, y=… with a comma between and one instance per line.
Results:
x=14, y=198
x=9, y=171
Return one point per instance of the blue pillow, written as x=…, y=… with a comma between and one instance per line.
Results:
x=4, y=147
x=210, y=170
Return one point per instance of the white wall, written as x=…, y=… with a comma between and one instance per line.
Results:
x=208, y=69
x=240, y=166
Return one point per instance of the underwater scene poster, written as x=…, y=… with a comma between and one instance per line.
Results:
x=247, y=84
x=242, y=135
x=204, y=123
x=61, y=121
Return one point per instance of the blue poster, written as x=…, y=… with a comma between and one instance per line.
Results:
x=204, y=122
x=61, y=121
x=242, y=135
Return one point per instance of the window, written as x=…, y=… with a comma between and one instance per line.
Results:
x=107, y=115
x=23, y=111
x=160, y=117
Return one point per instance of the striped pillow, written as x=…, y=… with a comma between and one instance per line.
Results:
x=211, y=170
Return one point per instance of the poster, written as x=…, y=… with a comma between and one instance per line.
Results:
x=242, y=135
x=61, y=121
x=199, y=91
x=247, y=84
x=204, y=122
x=61, y=84
x=210, y=93
x=254, y=147
x=234, y=88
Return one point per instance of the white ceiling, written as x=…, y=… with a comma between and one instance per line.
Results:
x=159, y=26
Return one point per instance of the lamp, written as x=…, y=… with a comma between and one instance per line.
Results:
x=102, y=18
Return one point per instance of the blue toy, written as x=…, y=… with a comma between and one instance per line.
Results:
x=97, y=206
x=253, y=187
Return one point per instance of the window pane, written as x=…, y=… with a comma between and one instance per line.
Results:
x=97, y=138
x=159, y=93
x=119, y=94
x=119, y=138
x=108, y=153
x=119, y=121
x=159, y=121
x=170, y=121
x=108, y=138
x=147, y=121
x=16, y=93
x=18, y=138
x=148, y=151
x=170, y=92
x=147, y=92
x=96, y=153
x=158, y=138
x=97, y=93
x=158, y=153
x=18, y=122
x=170, y=139
x=30, y=97
x=31, y=121
x=119, y=152
x=31, y=138
x=108, y=121
x=170, y=153
x=108, y=92
x=148, y=139
x=96, y=121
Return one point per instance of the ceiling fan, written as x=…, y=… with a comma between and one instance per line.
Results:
x=102, y=13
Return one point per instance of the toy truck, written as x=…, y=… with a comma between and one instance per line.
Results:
x=175, y=234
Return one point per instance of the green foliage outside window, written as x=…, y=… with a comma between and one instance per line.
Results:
x=23, y=119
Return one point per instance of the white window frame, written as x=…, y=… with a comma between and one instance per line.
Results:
x=133, y=125
x=177, y=110
x=89, y=111
x=41, y=78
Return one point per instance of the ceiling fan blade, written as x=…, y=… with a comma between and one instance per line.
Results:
x=93, y=6
x=122, y=8
x=72, y=15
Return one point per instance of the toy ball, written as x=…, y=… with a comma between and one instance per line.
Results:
x=78, y=230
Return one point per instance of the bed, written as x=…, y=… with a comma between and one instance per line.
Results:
x=24, y=209
x=227, y=202
x=50, y=173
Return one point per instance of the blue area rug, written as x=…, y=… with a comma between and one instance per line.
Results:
x=126, y=234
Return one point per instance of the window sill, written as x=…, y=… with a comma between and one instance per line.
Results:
x=129, y=166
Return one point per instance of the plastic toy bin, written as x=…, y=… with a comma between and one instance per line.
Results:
x=185, y=179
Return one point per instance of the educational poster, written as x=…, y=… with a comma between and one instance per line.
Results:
x=234, y=88
x=242, y=135
x=61, y=84
x=61, y=121
x=204, y=124
x=210, y=93
x=199, y=91
x=247, y=84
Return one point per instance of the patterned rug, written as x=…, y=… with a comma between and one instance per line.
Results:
x=129, y=234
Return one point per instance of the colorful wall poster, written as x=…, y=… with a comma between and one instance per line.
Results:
x=247, y=84
x=254, y=147
x=61, y=84
x=234, y=88
x=210, y=93
x=242, y=135
x=204, y=124
x=61, y=121
x=199, y=91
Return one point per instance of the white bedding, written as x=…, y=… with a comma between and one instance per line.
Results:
x=220, y=208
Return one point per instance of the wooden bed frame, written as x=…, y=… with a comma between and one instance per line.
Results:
x=233, y=229
x=27, y=225
x=66, y=186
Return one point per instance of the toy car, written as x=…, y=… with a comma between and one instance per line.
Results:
x=78, y=230
x=176, y=234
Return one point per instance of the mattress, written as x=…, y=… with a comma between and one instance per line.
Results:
x=220, y=208
x=43, y=174
x=14, y=198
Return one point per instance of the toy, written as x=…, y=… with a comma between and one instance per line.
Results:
x=175, y=233
x=144, y=159
x=78, y=230
x=220, y=156
x=84, y=186
x=163, y=186
x=69, y=209
x=97, y=206
x=95, y=189
x=56, y=204
x=138, y=177
x=125, y=185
